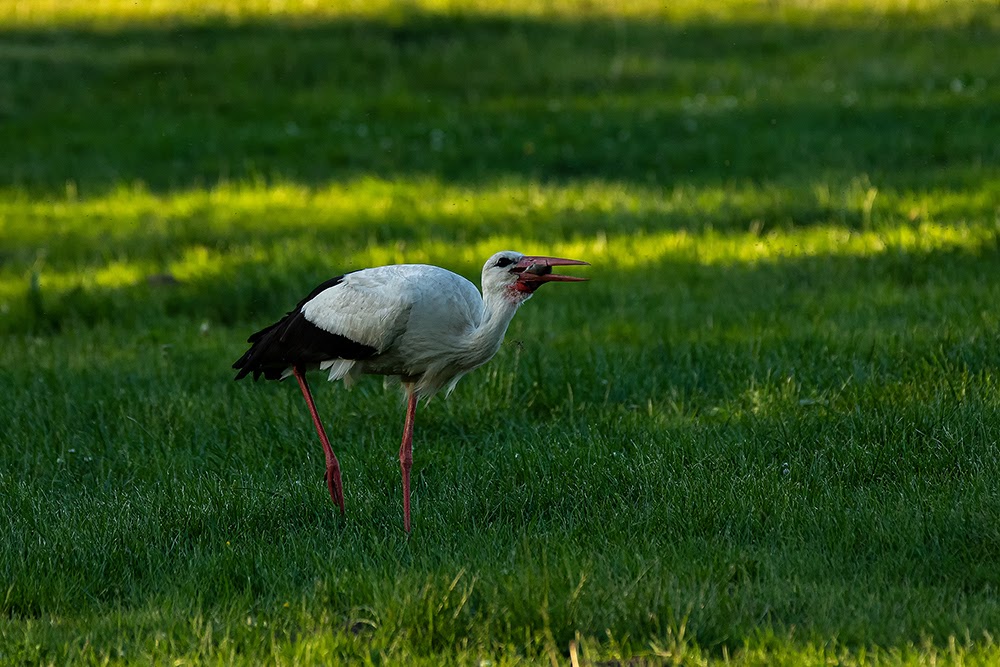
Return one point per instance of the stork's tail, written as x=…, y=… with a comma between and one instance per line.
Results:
x=264, y=357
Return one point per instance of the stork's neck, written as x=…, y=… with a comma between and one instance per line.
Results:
x=498, y=311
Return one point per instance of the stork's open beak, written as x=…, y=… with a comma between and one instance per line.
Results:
x=533, y=271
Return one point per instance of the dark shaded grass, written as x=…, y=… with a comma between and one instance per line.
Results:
x=188, y=105
x=709, y=529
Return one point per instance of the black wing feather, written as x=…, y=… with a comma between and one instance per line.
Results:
x=295, y=341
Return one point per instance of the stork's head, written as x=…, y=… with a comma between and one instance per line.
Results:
x=518, y=276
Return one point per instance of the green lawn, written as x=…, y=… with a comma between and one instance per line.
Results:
x=766, y=432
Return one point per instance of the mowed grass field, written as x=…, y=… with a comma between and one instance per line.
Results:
x=764, y=433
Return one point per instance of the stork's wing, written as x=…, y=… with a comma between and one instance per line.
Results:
x=369, y=307
x=294, y=340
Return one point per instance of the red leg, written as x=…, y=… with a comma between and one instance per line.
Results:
x=332, y=465
x=406, y=453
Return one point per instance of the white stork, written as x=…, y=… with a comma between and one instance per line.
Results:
x=424, y=324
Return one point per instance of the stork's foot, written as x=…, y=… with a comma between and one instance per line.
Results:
x=335, y=486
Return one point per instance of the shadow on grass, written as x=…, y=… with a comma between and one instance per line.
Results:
x=481, y=98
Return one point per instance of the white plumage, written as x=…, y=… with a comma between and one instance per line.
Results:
x=423, y=324
x=421, y=320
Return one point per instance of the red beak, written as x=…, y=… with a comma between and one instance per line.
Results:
x=534, y=270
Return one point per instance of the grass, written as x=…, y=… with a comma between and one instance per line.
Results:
x=765, y=433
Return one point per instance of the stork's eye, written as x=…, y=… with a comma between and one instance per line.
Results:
x=504, y=261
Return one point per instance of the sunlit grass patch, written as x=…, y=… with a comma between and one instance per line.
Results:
x=131, y=243
x=367, y=208
x=42, y=11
